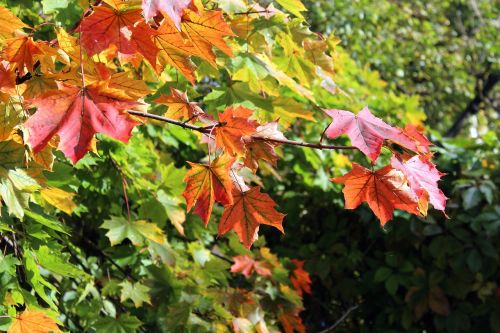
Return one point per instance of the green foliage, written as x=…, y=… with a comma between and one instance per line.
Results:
x=442, y=51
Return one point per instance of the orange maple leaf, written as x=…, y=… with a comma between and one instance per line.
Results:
x=179, y=105
x=234, y=126
x=33, y=322
x=21, y=51
x=207, y=184
x=124, y=28
x=291, y=321
x=174, y=51
x=206, y=30
x=383, y=190
x=249, y=210
x=9, y=23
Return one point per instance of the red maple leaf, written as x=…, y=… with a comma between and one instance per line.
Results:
x=76, y=115
x=384, y=190
x=300, y=278
x=249, y=210
x=366, y=131
x=123, y=28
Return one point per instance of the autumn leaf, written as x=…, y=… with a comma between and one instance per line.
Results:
x=9, y=23
x=246, y=265
x=249, y=210
x=207, y=184
x=423, y=178
x=235, y=125
x=60, y=199
x=366, y=131
x=206, y=30
x=291, y=322
x=256, y=148
x=171, y=9
x=33, y=322
x=22, y=51
x=11, y=115
x=422, y=142
x=179, y=106
x=7, y=77
x=300, y=278
x=123, y=28
x=174, y=51
x=384, y=190
x=76, y=114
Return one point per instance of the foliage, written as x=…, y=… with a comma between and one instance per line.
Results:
x=103, y=243
x=444, y=52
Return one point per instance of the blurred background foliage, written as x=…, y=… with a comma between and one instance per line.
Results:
x=433, y=64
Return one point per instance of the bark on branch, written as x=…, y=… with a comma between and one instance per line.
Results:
x=206, y=130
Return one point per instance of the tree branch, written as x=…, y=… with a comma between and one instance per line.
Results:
x=341, y=319
x=473, y=106
x=207, y=130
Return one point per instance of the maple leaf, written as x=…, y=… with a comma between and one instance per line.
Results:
x=366, y=131
x=21, y=51
x=423, y=178
x=123, y=28
x=249, y=210
x=136, y=231
x=9, y=23
x=33, y=322
x=179, y=106
x=234, y=126
x=207, y=184
x=16, y=182
x=76, y=114
x=383, y=190
x=258, y=149
x=174, y=50
x=7, y=77
x=422, y=142
x=246, y=265
x=206, y=30
x=301, y=280
x=291, y=321
x=172, y=9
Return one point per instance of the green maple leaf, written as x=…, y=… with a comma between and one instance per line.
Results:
x=123, y=324
x=136, y=292
x=15, y=183
x=136, y=231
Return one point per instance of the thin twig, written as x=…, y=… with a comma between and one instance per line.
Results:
x=341, y=319
x=206, y=130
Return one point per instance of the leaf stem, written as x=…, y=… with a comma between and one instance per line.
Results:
x=207, y=130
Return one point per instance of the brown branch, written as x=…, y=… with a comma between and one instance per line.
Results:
x=206, y=130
